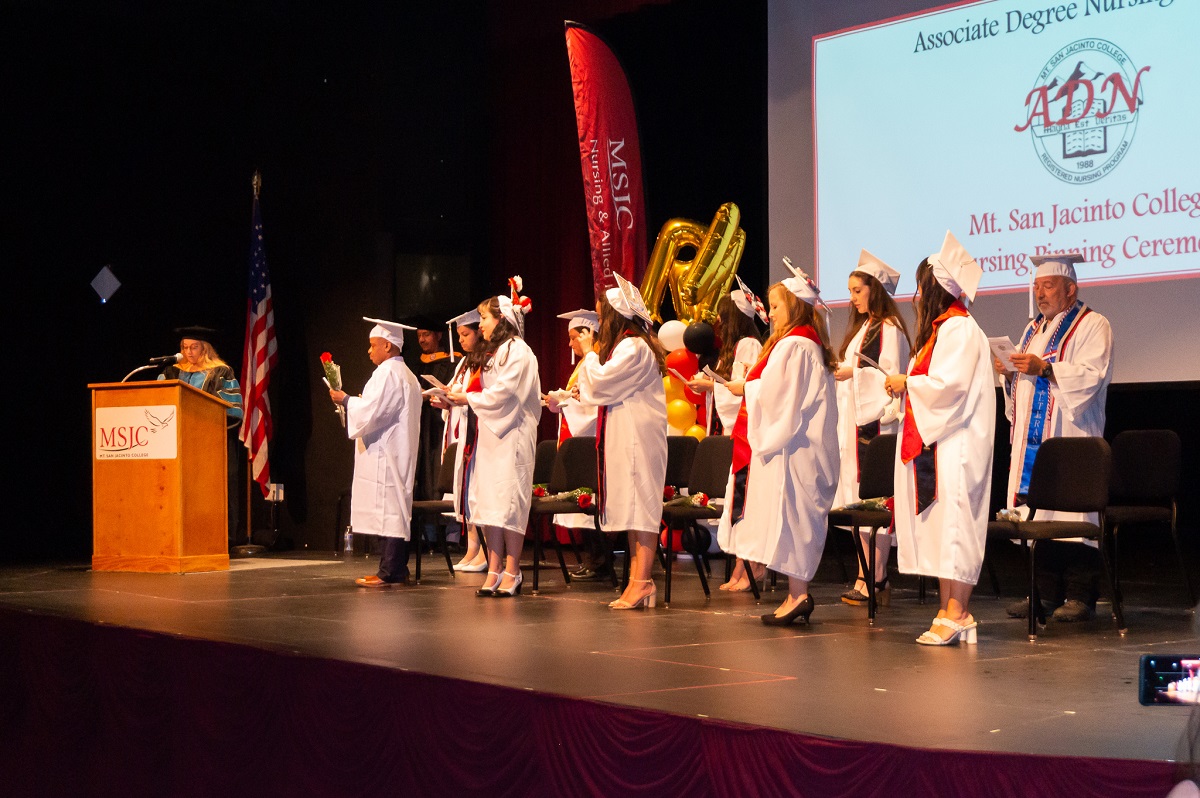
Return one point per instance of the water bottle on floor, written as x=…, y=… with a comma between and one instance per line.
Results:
x=348, y=544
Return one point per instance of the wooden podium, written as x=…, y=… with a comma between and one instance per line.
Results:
x=160, y=499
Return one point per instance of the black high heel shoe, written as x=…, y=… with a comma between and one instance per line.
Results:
x=514, y=589
x=488, y=592
x=803, y=609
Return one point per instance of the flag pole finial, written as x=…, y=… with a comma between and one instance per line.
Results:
x=256, y=181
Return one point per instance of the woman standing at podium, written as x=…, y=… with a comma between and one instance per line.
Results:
x=203, y=369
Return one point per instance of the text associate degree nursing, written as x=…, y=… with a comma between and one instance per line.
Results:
x=967, y=32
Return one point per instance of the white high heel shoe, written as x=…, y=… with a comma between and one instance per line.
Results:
x=964, y=631
x=647, y=600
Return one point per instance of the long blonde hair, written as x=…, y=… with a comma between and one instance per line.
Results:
x=800, y=312
x=210, y=360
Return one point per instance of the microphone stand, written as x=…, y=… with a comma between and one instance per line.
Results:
x=136, y=370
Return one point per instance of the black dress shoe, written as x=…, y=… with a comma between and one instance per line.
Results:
x=587, y=575
x=1073, y=611
x=801, y=610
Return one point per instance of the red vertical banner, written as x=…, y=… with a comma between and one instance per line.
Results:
x=611, y=157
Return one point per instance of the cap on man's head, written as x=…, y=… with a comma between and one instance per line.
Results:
x=955, y=269
x=390, y=331
x=1056, y=264
x=886, y=275
x=581, y=318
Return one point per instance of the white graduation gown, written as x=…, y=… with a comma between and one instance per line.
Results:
x=791, y=413
x=454, y=418
x=863, y=399
x=630, y=385
x=581, y=421
x=954, y=405
x=384, y=424
x=1077, y=396
x=500, y=487
x=745, y=355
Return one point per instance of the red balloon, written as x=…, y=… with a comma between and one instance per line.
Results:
x=683, y=361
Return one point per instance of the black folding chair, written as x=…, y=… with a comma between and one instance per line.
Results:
x=1146, y=472
x=877, y=481
x=709, y=475
x=1070, y=475
x=543, y=473
x=574, y=467
x=681, y=449
x=434, y=509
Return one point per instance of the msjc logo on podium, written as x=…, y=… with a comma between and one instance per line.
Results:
x=1083, y=110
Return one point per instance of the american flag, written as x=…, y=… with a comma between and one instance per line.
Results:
x=258, y=356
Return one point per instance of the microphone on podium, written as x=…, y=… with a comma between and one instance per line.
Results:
x=166, y=360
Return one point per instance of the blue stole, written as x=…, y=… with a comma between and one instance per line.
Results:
x=1039, y=413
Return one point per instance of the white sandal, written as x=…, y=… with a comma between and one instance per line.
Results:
x=965, y=631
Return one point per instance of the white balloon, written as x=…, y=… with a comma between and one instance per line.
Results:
x=671, y=334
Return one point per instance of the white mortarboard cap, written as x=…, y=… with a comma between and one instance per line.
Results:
x=955, y=269
x=581, y=318
x=626, y=299
x=886, y=275
x=514, y=306
x=470, y=317
x=1061, y=264
x=392, y=331
x=802, y=285
x=747, y=301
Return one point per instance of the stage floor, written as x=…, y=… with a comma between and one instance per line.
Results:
x=1072, y=693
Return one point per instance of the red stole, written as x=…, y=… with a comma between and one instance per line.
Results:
x=912, y=446
x=741, y=444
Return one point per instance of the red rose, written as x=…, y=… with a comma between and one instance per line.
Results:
x=668, y=493
x=539, y=491
x=326, y=357
x=890, y=504
x=585, y=500
x=700, y=500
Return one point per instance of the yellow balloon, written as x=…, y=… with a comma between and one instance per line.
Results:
x=696, y=431
x=674, y=388
x=681, y=414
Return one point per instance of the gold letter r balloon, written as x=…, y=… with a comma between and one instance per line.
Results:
x=696, y=284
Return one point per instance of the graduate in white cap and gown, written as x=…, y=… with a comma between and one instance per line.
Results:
x=1056, y=385
x=465, y=328
x=624, y=380
x=944, y=456
x=494, y=475
x=740, y=348
x=785, y=449
x=576, y=419
x=875, y=345
x=384, y=423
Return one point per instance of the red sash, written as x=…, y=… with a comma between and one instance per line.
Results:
x=741, y=444
x=912, y=446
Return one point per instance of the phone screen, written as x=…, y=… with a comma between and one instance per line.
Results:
x=1169, y=679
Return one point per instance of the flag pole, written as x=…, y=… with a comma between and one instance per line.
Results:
x=249, y=549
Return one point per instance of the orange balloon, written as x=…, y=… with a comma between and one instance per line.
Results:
x=674, y=388
x=695, y=431
x=681, y=414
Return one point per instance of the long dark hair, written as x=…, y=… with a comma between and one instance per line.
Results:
x=614, y=326
x=932, y=302
x=735, y=326
x=475, y=358
x=800, y=312
x=503, y=331
x=880, y=307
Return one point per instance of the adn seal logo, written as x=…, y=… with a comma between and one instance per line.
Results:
x=1083, y=110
